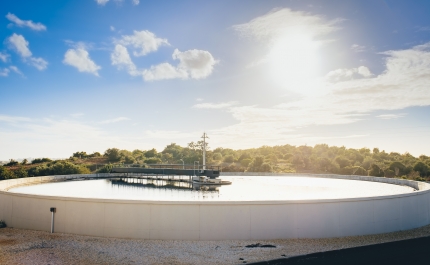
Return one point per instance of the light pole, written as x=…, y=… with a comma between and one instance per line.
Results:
x=183, y=164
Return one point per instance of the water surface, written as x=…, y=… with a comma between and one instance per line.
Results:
x=243, y=188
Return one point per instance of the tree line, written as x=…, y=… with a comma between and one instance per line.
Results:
x=281, y=159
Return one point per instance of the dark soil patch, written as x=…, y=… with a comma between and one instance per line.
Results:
x=411, y=251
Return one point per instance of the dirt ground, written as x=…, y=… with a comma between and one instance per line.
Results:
x=18, y=246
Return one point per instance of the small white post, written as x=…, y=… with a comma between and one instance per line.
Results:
x=53, y=210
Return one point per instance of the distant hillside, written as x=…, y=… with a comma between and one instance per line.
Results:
x=282, y=159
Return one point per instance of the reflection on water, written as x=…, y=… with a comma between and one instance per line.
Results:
x=164, y=184
x=243, y=188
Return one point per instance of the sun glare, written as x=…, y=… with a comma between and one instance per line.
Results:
x=294, y=63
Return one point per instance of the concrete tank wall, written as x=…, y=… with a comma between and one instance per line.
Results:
x=211, y=220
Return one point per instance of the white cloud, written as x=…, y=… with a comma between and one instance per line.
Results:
x=13, y=119
x=4, y=57
x=30, y=137
x=80, y=59
x=162, y=134
x=348, y=74
x=16, y=70
x=143, y=41
x=121, y=59
x=163, y=71
x=281, y=22
x=101, y=2
x=114, y=120
x=4, y=72
x=358, y=48
x=222, y=105
x=195, y=64
x=199, y=64
x=364, y=71
x=25, y=23
x=403, y=84
x=391, y=116
x=20, y=45
x=112, y=28
x=39, y=63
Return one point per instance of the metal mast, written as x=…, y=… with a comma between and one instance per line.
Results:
x=204, y=149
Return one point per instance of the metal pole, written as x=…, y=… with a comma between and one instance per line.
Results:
x=204, y=150
x=52, y=218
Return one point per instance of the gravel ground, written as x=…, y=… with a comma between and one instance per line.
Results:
x=19, y=246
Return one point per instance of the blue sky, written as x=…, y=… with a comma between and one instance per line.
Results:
x=87, y=75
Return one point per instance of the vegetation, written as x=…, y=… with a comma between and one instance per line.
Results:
x=285, y=158
x=2, y=224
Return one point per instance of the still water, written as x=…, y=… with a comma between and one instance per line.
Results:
x=243, y=188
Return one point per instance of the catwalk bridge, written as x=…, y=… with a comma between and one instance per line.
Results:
x=211, y=172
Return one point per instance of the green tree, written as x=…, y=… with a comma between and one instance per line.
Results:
x=151, y=153
x=40, y=160
x=421, y=168
x=95, y=154
x=153, y=160
x=388, y=173
x=217, y=156
x=12, y=163
x=105, y=169
x=398, y=168
x=5, y=173
x=80, y=154
x=375, y=171
x=113, y=154
x=256, y=164
x=245, y=162
x=342, y=161
x=21, y=172
x=128, y=159
x=265, y=167
x=229, y=159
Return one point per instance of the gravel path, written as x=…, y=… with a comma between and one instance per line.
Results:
x=19, y=246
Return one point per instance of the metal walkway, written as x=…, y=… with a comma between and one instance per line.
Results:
x=170, y=170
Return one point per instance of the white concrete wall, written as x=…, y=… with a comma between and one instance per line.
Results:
x=217, y=220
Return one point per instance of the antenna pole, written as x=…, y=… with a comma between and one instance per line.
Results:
x=204, y=149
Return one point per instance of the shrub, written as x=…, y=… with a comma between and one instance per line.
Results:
x=12, y=163
x=2, y=224
x=217, y=156
x=58, y=168
x=245, y=162
x=153, y=160
x=105, y=169
x=113, y=154
x=5, y=173
x=40, y=160
x=376, y=171
x=388, y=173
x=229, y=159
